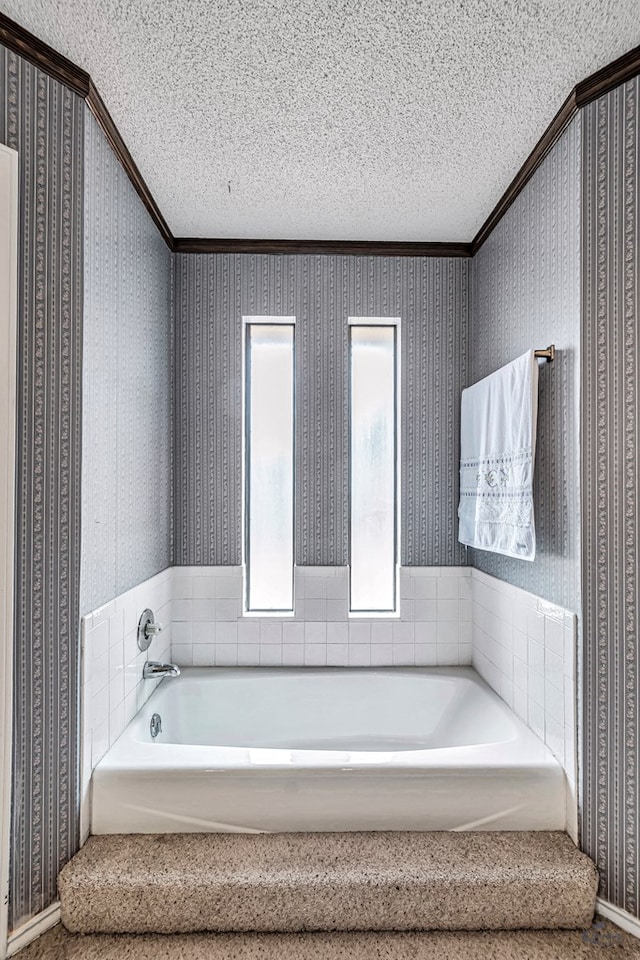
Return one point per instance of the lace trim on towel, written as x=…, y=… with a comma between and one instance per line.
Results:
x=498, y=489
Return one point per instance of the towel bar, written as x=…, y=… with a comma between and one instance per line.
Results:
x=549, y=354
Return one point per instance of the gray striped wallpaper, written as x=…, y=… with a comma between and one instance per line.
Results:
x=526, y=293
x=44, y=122
x=611, y=484
x=126, y=440
x=213, y=292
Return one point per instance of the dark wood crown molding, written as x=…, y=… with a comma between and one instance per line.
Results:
x=16, y=38
x=366, y=248
x=562, y=119
x=98, y=109
x=602, y=81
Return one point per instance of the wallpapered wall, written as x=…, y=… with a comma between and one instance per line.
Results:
x=213, y=292
x=126, y=451
x=611, y=485
x=44, y=121
x=526, y=293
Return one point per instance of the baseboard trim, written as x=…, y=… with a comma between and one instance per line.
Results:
x=33, y=928
x=626, y=921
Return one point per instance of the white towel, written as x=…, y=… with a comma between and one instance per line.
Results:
x=497, y=450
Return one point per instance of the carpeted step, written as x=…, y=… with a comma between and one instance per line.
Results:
x=288, y=882
x=601, y=941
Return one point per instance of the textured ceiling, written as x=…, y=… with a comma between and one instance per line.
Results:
x=332, y=119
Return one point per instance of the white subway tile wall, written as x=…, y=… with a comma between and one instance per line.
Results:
x=524, y=647
x=434, y=626
x=521, y=645
x=112, y=686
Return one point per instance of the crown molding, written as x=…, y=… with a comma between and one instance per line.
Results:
x=558, y=125
x=366, y=248
x=16, y=38
x=98, y=109
x=602, y=81
x=608, y=78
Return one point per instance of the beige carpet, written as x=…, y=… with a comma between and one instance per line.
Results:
x=604, y=942
x=299, y=882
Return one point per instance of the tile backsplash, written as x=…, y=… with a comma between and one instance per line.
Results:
x=209, y=629
x=525, y=648
x=112, y=686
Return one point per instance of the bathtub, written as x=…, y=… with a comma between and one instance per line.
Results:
x=286, y=749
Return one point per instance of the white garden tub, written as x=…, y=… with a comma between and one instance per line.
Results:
x=279, y=749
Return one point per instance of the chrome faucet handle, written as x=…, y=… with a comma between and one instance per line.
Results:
x=147, y=629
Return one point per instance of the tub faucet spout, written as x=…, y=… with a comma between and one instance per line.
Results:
x=153, y=670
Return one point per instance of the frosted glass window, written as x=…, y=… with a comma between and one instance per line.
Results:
x=269, y=467
x=373, y=468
